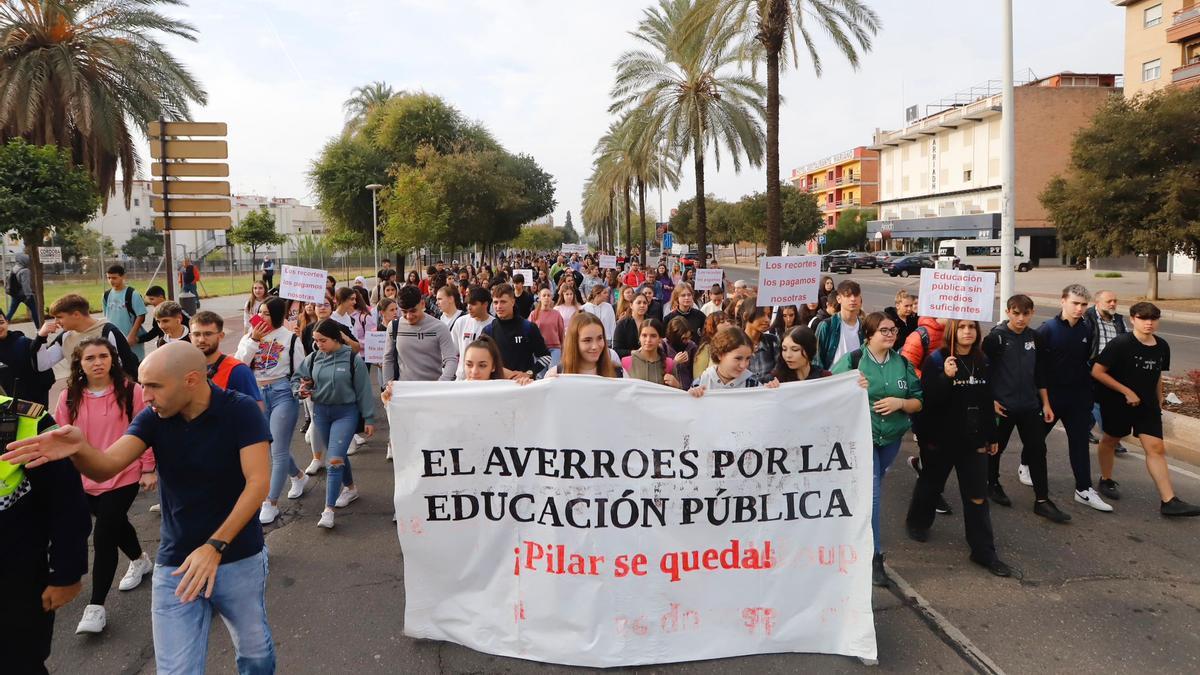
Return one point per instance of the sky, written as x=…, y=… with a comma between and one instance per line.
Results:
x=537, y=73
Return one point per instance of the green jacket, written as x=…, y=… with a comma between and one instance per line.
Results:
x=829, y=334
x=339, y=378
x=894, y=377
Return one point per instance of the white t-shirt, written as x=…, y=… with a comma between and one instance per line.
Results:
x=272, y=358
x=848, y=340
x=710, y=307
x=465, y=331
x=448, y=319
x=346, y=320
x=608, y=318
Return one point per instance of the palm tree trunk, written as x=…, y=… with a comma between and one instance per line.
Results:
x=774, y=199
x=641, y=188
x=628, y=221
x=701, y=212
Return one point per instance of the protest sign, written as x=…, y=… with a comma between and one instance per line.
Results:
x=679, y=249
x=50, y=254
x=374, y=346
x=706, y=278
x=569, y=249
x=608, y=262
x=790, y=280
x=676, y=535
x=302, y=283
x=957, y=294
x=527, y=275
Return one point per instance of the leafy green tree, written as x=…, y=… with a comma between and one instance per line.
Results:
x=410, y=121
x=770, y=28
x=851, y=232
x=686, y=80
x=539, y=238
x=340, y=176
x=89, y=76
x=84, y=243
x=1133, y=184
x=143, y=243
x=42, y=190
x=256, y=230
x=570, y=236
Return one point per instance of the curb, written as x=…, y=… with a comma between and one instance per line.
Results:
x=1181, y=434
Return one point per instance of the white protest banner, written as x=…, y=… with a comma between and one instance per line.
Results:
x=569, y=249
x=302, y=283
x=681, y=534
x=608, y=262
x=374, y=346
x=526, y=275
x=679, y=249
x=957, y=294
x=790, y=280
x=50, y=254
x=707, y=278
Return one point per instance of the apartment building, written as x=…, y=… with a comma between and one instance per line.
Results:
x=1162, y=44
x=849, y=179
x=939, y=177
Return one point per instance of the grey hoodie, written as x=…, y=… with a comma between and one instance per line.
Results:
x=332, y=384
x=24, y=276
x=710, y=380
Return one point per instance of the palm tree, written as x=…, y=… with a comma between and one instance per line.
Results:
x=685, y=82
x=363, y=100
x=83, y=74
x=773, y=24
x=615, y=172
x=650, y=163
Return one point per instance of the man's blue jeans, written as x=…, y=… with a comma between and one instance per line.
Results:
x=30, y=302
x=239, y=597
x=282, y=409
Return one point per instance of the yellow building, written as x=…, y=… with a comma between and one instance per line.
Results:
x=1162, y=44
x=843, y=181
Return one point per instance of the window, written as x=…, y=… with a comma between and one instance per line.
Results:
x=1151, y=70
x=967, y=176
x=1152, y=16
x=137, y=222
x=136, y=201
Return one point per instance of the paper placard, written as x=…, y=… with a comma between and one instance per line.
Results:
x=957, y=294
x=527, y=275
x=788, y=280
x=375, y=346
x=679, y=249
x=570, y=249
x=608, y=262
x=516, y=544
x=50, y=254
x=302, y=283
x=705, y=278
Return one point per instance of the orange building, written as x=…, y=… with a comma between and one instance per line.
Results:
x=843, y=181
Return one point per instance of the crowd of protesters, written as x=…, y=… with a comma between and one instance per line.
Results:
x=213, y=431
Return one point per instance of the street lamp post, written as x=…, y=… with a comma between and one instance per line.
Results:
x=375, y=188
x=1008, y=160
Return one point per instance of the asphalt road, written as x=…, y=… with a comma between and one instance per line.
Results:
x=879, y=291
x=1116, y=592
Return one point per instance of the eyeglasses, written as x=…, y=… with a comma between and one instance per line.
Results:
x=890, y=331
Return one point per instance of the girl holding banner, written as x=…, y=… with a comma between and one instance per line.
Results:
x=585, y=350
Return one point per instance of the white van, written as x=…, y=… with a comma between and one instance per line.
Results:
x=983, y=254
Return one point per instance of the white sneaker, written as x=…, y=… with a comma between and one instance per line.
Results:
x=314, y=467
x=347, y=495
x=359, y=440
x=1023, y=475
x=268, y=513
x=326, y=520
x=133, y=576
x=156, y=508
x=298, y=485
x=388, y=457
x=93, y=621
x=1091, y=498
x=356, y=445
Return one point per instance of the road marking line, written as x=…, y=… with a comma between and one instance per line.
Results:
x=957, y=640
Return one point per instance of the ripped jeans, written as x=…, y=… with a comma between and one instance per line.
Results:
x=333, y=429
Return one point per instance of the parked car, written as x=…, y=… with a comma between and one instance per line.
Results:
x=837, y=260
x=909, y=264
x=689, y=259
x=862, y=260
x=885, y=256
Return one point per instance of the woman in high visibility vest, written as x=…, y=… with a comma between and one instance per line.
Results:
x=102, y=401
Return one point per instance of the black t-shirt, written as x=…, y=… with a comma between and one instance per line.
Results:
x=520, y=342
x=200, y=471
x=1136, y=366
x=524, y=304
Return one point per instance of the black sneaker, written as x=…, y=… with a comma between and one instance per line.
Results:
x=1178, y=508
x=1050, y=512
x=1121, y=449
x=996, y=492
x=918, y=535
x=995, y=566
x=879, y=576
x=1108, y=488
x=1092, y=438
x=304, y=427
x=943, y=507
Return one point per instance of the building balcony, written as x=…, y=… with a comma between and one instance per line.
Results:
x=1187, y=76
x=1185, y=24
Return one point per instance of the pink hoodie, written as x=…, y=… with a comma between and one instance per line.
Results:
x=103, y=422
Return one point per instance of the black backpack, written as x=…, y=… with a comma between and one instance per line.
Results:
x=128, y=301
x=13, y=286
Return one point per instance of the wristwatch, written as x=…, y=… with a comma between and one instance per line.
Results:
x=218, y=544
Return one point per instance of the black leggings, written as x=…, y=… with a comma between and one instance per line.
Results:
x=971, y=465
x=113, y=530
x=1031, y=427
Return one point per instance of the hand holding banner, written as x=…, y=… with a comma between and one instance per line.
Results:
x=374, y=346
x=302, y=283
x=608, y=262
x=791, y=280
x=957, y=294
x=708, y=277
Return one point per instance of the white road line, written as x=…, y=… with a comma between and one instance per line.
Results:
x=960, y=642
